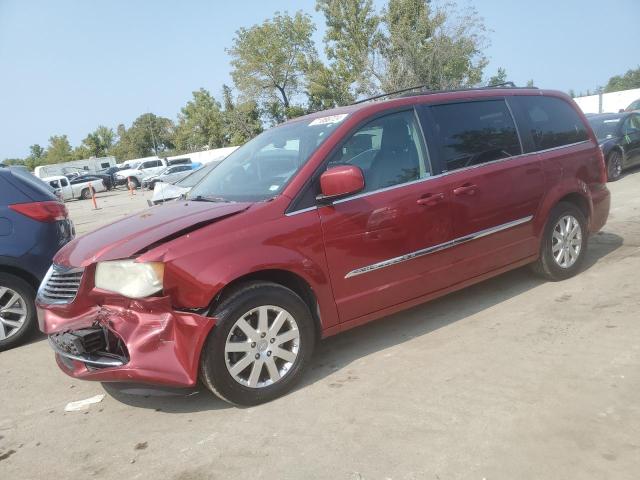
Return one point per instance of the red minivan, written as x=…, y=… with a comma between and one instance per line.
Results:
x=322, y=224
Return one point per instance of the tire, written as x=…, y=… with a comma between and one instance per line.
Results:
x=136, y=183
x=10, y=307
x=554, y=241
x=614, y=166
x=216, y=363
x=85, y=194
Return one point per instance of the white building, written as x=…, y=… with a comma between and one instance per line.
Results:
x=608, y=102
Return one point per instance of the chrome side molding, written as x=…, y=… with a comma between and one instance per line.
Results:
x=437, y=248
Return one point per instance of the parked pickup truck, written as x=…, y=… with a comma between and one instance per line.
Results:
x=76, y=188
x=144, y=169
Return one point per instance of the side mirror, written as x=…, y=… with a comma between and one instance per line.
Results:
x=340, y=181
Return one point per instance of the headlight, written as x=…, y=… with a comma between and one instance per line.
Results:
x=129, y=278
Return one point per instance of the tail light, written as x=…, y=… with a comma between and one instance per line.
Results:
x=603, y=166
x=42, y=211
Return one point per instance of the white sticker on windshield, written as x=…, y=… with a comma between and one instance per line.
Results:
x=612, y=121
x=330, y=119
x=273, y=188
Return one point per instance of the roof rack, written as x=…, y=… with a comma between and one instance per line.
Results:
x=409, y=92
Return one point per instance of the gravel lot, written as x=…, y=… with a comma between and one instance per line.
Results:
x=513, y=378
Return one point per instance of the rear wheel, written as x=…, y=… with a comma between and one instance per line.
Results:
x=85, y=194
x=17, y=310
x=614, y=166
x=260, y=346
x=564, y=243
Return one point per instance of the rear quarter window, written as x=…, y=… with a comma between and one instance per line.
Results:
x=551, y=122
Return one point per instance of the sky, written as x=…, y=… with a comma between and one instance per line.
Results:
x=71, y=65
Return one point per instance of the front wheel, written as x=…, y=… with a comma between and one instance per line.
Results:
x=564, y=243
x=614, y=166
x=260, y=346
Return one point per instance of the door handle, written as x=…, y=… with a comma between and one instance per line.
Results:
x=430, y=199
x=466, y=189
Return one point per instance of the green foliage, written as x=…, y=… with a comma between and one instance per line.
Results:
x=200, y=124
x=148, y=135
x=351, y=41
x=437, y=47
x=498, y=78
x=530, y=83
x=13, y=161
x=97, y=143
x=631, y=79
x=59, y=150
x=270, y=60
x=241, y=119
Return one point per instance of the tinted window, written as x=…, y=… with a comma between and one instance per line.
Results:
x=604, y=127
x=474, y=133
x=552, y=122
x=104, y=165
x=389, y=151
x=631, y=125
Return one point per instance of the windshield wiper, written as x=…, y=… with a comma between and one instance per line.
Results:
x=207, y=198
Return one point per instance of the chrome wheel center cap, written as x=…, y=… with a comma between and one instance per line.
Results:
x=262, y=345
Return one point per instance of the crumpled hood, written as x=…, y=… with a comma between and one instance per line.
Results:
x=126, y=237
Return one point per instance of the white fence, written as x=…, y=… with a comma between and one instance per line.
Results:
x=608, y=102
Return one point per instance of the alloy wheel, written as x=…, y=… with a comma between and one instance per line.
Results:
x=262, y=346
x=614, y=165
x=566, y=241
x=13, y=312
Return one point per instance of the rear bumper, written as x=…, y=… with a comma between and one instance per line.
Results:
x=162, y=345
x=601, y=200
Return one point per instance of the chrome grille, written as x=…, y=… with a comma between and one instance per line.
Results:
x=60, y=285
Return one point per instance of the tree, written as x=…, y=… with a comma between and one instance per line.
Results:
x=98, y=143
x=437, y=47
x=148, y=135
x=270, y=60
x=530, y=83
x=241, y=119
x=631, y=79
x=13, y=161
x=351, y=41
x=36, y=152
x=200, y=124
x=59, y=149
x=498, y=78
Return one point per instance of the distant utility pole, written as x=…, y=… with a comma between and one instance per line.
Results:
x=153, y=137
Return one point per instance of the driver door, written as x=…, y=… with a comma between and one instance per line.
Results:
x=382, y=243
x=631, y=139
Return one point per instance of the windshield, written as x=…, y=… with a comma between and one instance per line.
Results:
x=604, y=127
x=261, y=168
x=197, y=175
x=131, y=166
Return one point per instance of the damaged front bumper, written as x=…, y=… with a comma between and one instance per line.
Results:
x=144, y=341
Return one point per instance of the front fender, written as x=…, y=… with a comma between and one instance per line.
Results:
x=199, y=265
